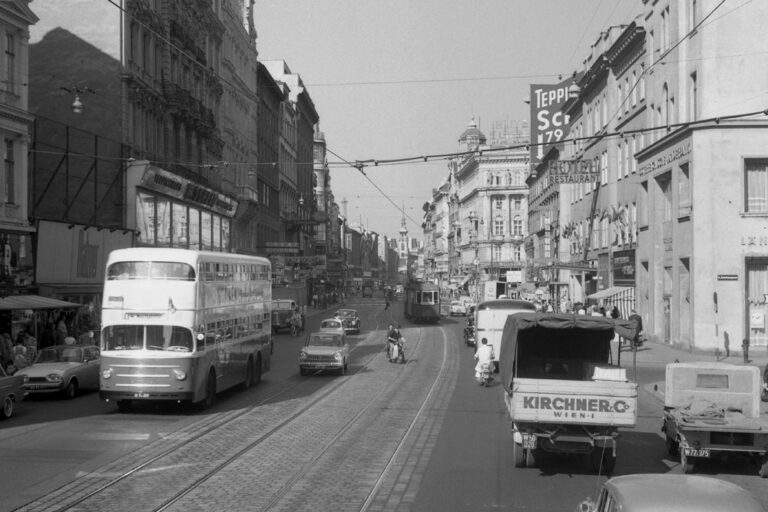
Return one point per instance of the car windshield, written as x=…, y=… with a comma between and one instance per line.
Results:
x=324, y=341
x=346, y=313
x=60, y=355
x=330, y=324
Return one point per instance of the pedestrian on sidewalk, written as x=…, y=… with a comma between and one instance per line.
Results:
x=727, y=344
x=745, y=349
x=637, y=322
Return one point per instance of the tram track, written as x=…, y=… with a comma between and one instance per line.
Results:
x=90, y=499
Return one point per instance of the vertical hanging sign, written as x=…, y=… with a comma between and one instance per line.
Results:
x=549, y=125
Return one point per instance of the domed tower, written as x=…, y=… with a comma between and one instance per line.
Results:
x=472, y=138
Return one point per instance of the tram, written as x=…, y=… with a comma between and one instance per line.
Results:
x=422, y=302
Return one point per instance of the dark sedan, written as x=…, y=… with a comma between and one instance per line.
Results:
x=350, y=320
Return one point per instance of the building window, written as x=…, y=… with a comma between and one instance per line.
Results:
x=8, y=195
x=10, y=63
x=634, y=88
x=518, y=204
x=684, y=187
x=756, y=185
x=498, y=226
x=693, y=101
x=498, y=203
x=517, y=225
x=516, y=253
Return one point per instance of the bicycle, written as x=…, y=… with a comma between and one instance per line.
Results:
x=294, y=330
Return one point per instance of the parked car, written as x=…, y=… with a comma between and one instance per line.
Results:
x=65, y=369
x=324, y=351
x=281, y=314
x=458, y=308
x=349, y=319
x=11, y=392
x=653, y=492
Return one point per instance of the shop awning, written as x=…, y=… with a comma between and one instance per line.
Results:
x=34, y=302
x=612, y=292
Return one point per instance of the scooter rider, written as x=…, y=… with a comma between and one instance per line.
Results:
x=392, y=336
x=484, y=354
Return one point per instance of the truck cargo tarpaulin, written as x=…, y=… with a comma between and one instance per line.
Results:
x=538, y=336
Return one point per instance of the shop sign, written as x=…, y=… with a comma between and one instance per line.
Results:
x=177, y=187
x=727, y=277
x=754, y=240
x=623, y=266
x=549, y=124
x=665, y=158
x=573, y=171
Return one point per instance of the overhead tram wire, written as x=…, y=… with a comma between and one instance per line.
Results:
x=359, y=166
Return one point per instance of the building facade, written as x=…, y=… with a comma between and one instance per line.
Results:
x=491, y=201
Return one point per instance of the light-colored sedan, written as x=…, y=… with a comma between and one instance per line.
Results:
x=324, y=351
x=63, y=368
x=11, y=392
x=681, y=493
x=334, y=326
x=458, y=308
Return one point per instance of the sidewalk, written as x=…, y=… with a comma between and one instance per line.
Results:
x=653, y=353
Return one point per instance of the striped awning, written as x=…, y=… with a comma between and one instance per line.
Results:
x=623, y=297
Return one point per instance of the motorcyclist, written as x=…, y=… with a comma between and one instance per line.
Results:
x=483, y=355
x=393, y=335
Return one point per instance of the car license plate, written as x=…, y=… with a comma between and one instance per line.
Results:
x=529, y=442
x=141, y=395
x=693, y=452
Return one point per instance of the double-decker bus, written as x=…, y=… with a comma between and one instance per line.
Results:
x=181, y=325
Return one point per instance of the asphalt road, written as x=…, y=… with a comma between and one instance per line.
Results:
x=450, y=447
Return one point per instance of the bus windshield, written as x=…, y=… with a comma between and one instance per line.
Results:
x=148, y=337
x=157, y=270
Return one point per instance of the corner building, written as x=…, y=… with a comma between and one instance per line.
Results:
x=702, y=254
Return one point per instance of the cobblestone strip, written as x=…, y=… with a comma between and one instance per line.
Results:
x=289, y=461
x=398, y=489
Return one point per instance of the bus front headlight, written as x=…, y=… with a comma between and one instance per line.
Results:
x=179, y=374
x=302, y=355
x=108, y=373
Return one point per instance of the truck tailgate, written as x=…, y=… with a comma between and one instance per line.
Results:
x=573, y=401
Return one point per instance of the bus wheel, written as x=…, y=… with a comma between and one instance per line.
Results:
x=258, y=370
x=210, y=391
x=248, y=381
x=124, y=405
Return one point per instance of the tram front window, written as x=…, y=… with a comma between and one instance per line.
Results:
x=148, y=337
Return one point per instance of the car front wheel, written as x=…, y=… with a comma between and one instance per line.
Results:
x=7, y=407
x=71, y=390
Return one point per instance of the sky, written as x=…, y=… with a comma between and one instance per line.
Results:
x=403, y=78
x=400, y=78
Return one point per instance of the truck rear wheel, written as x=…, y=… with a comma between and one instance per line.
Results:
x=519, y=455
x=763, y=468
x=672, y=446
x=686, y=463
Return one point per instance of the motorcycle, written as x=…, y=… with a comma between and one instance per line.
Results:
x=485, y=377
x=397, y=351
x=469, y=336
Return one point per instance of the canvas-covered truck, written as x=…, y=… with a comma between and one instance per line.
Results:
x=561, y=391
x=713, y=409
